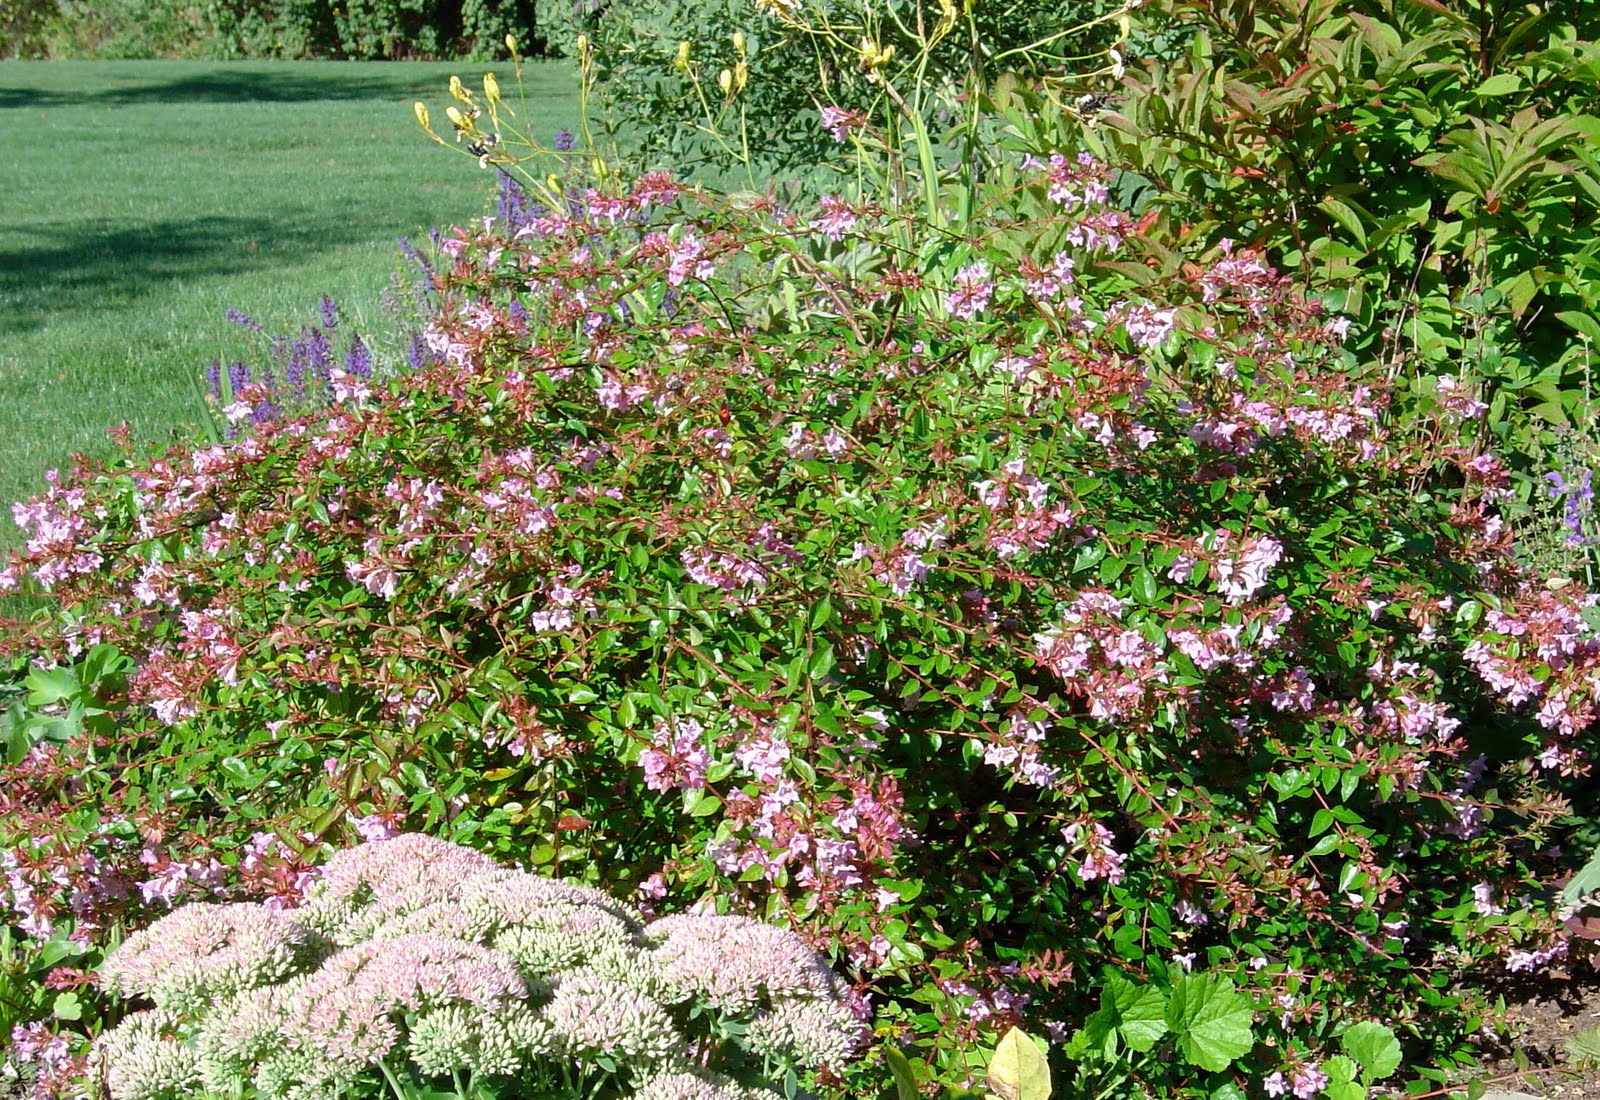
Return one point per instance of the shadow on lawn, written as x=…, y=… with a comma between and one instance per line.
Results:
x=105, y=265
x=281, y=83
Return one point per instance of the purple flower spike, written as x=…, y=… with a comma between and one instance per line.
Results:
x=564, y=141
x=330, y=313
x=358, y=360
x=1557, y=485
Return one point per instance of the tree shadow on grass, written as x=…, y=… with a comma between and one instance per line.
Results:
x=282, y=83
x=106, y=265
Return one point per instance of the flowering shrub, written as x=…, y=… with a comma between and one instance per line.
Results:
x=413, y=958
x=1046, y=634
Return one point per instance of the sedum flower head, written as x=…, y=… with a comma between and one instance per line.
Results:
x=733, y=963
x=442, y=918
x=560, y=937
x=806, y=1032
x=362, y=888
x=243, y=1032
x=347, y=1011
x=457, y=1037
x=695, y=1086
x=593, y=1015
x=513, y=897
x=146, y=1058
x=206, y=952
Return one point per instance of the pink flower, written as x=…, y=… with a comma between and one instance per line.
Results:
x=677, y=758
x=839, y=122
x=972, y=291
x=838, y=218
x=1309, y=1081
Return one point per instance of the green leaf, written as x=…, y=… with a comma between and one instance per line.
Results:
x=1346, y=217
x=1144, y=586
x=1374, y=1046
x=1210, y=1020
x=1018, y=1071
x=1138, y=1014
x=905, y=1081
x=46, y=686
x=1585, y=325
x=1586, y=881
x=582, y=695
x=1499, y=84
x=67, y=1006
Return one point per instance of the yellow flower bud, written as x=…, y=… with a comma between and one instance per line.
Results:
x=511, y=44
x=583, y=46
x=725, y=82
x=682, y=60
x=456, y=117
x=553, y=182
x=491, y=88
x=421, y=109
x=741, y=76
x=458, y=91
x=738, y=42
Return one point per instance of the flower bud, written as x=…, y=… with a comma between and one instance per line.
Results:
x=682, y=60
x=738, y=42
x=725, y=81
x=511, y=44
x=741, y=76
x=491, y=88
x=421, y=109
x=458, y=91
x=456, y=117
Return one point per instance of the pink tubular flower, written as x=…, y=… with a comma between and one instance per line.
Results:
x=1098, y=859
x=1308, y=1081
x=972, y=291
x=839, y=122
x=838, y=217
x=676, y=758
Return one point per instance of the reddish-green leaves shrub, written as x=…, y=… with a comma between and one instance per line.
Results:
x=1024, y=632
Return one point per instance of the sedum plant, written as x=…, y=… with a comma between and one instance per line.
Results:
x=415, y=959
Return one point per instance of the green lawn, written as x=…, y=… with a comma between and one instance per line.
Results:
x=139, y=200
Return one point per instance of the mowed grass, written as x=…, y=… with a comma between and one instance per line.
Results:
x=140, y=200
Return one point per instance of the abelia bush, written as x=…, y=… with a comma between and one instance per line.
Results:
x=1041, y=633
x=415, y=959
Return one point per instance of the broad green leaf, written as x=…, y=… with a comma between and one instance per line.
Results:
x=1137, y=1013
x=1018, y=1071
x=46, y=686
x=1585, y=882
x=1340, y=1070
x=1499, y=84
x=1347, y=218
x=905, y=1081
x=1210, y=1020
x=67, y=1006
x=1585, y=325
x=1374, y=1046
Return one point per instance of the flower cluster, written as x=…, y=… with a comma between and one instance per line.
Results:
x=452, y=964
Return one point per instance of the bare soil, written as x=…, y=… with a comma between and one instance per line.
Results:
x=1541, y=1015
